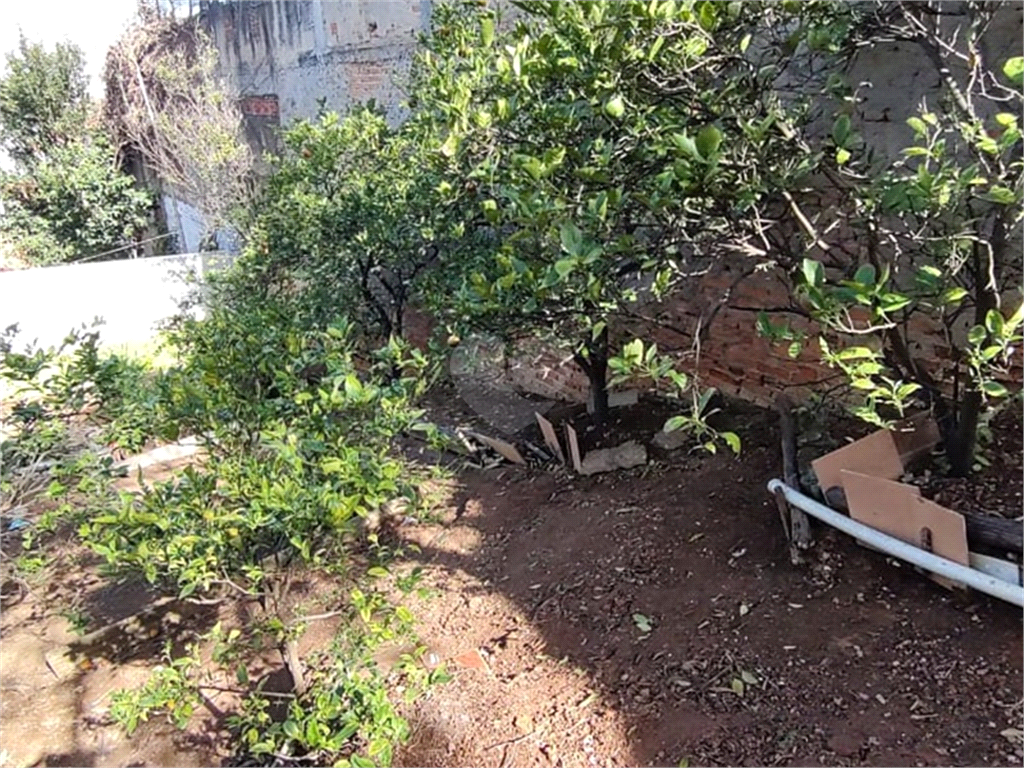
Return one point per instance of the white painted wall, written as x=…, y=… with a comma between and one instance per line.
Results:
x=132, y=296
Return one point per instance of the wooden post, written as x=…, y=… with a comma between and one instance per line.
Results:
x=798, y=532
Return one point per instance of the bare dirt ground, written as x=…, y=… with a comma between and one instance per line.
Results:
x=648, y=617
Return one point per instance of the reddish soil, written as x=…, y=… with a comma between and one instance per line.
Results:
x=646, y=617
x=851, y=661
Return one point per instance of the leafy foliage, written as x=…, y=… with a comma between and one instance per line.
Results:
x=347, y=717
x=611, y=148
x=940, y=231
x=43, y=102
x=292, y=463
x=74, y=203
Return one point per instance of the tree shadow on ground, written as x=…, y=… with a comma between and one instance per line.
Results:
x=668, y=589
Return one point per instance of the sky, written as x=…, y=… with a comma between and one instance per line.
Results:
x=92, y=25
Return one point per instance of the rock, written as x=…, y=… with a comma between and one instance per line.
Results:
x=670, y=441
x=630, y=454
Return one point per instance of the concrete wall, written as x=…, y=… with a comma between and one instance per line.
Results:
x=306, y=52
x=132, y=297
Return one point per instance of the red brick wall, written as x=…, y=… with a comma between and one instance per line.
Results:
x=734, y=358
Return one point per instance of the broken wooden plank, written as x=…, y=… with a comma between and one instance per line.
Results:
x=795, y=521
x=507, y=450
x=550, y=438
x=574, y=447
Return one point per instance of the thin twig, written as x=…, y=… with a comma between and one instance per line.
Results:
x=509, y=742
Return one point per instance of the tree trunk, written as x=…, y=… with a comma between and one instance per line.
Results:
x=595, y=364
x=960, y=451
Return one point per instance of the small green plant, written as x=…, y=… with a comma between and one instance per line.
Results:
x=77, y=619
x=346, y=716
x=638, y=361
x=30, y=564
x=172, y=689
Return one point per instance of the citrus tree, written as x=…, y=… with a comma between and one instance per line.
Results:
x=350, y=221
x=938, y=229
x=609, y=150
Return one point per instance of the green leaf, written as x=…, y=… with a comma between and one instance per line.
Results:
x=707, y=16
x=565, y=266
x=976, y=335
x=487, y=31
x=745, y=43
x=854, y=353
x=863, y=384
x=642, y=622
x=842, y=156
x=1014, y=70
x=918, y=125
x=708, y=140
x=954, y=295
x=1001, y=195
x=994, y=323
x=450, y=146
x=314, y=738
x=994, y=389
x=615, y=107
x=814, y=273
x=794, y=349
x=1006, y=120
x=660, y=41
x=674, y=423
x=892, y=302
x=1016, y=318
x=377, y=572
x=572, y=239
x=490, y=208
x=865, y=274
x=686, y=145
x=737, y=686
x=732, y=440
x=841, y=130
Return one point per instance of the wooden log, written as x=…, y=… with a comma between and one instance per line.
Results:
x=983, y=531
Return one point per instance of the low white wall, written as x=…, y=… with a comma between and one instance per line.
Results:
x=132, y=296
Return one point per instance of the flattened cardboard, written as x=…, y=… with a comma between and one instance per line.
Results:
x=874, y=455
x=550, y=438
x=898, y=510
x=507, y=450
x=574, y=447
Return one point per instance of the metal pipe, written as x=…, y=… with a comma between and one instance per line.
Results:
x=893, y=546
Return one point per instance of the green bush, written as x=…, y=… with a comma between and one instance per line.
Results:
x=72, y=204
